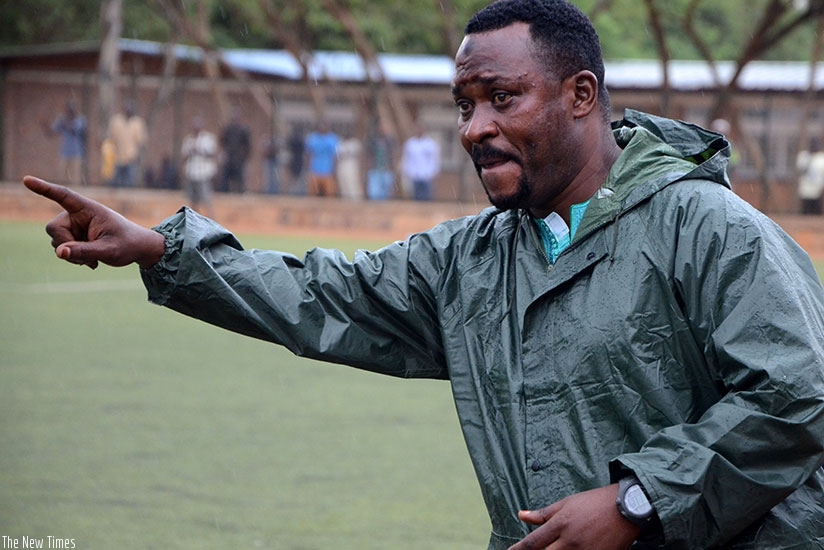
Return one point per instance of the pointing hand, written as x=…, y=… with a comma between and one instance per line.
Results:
x=88, y=232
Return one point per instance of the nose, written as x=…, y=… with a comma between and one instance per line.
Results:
x=480, y=126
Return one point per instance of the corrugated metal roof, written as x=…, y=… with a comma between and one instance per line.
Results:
x=332, y=65
x=434, y=69
x=696, y=75
x=429, y=69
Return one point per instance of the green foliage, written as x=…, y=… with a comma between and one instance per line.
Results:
x=725, y=27
x=411, y=26
x=143, y=20
x=48, y=21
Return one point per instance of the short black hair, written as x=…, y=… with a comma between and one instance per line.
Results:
x=567, y=40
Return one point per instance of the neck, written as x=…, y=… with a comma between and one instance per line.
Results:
x=589, y=178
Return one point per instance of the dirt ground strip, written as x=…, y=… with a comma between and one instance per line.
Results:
x=275, y=214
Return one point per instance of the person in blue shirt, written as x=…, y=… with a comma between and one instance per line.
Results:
x=71, y=127
x=322, y=151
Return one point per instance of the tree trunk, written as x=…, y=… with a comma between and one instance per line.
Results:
x=200, y=33
x=388, y=95
x=451, y=32
x=167, y=82
x=771, y=29
x=287, y=34
x=663, y=53
x=599, y=7
x=397, y=108
x=111, y=20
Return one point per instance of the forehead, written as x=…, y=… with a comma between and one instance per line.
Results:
x=503, y=54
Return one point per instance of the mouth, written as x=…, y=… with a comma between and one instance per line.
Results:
x=490, y=159
x=492, y=164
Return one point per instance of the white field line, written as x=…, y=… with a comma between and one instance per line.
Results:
x=76, y=287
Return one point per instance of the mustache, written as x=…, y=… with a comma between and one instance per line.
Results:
x=487, y=154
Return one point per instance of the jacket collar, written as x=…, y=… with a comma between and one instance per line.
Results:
x=657, y=152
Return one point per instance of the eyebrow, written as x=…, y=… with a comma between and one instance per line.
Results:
x=485, y=81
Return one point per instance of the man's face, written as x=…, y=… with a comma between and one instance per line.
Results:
x=515, y=119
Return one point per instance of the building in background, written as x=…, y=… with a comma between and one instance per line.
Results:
x=34, y=81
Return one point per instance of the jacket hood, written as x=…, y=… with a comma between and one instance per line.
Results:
x=657, y=152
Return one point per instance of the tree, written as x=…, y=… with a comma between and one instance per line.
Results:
x=111, y=19
x=395, y=104
x=778, y=20
x=197, y=28
x=289, y=30
x=654, y=17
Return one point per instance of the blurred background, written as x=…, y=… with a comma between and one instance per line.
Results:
x=377, y=70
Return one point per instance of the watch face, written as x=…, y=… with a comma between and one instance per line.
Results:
x=636, y=502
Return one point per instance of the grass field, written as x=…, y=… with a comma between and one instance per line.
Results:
x=125, y=425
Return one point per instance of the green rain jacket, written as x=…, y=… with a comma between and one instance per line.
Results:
x=679, y=336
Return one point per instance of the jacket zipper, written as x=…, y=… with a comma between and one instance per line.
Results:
x=536, y=240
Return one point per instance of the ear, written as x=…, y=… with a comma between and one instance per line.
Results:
x=585, y=90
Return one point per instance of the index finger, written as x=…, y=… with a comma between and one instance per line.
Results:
x=63, y=196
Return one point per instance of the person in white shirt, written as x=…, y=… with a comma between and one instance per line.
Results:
x=200, y=165
x=421, y=163
x=810, y=165
x=350, y=151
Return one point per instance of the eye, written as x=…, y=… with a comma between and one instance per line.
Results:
x=464, y=107
x=500, y=98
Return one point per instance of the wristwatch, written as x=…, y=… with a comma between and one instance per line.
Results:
x=633, y=502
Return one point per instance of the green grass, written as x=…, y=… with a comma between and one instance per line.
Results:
x=126, y=425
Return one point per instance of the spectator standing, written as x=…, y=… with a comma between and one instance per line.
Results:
x=350, y=152
x=107, y=161
x=167, y=177
x=296, y=146
x=72, y=128
x=381, y=176
x=127, y=133
x=199, y=153
x=235, y=143
x=421, y=163
x=321, y=150
x=810, y=164
x=271, y=179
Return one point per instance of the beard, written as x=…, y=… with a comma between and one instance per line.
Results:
x=514, y=200
x=519, y=198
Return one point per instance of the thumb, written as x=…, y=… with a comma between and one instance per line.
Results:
x=533, y=517
x=78, y=253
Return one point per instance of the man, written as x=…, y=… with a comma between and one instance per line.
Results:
x=296, y=149
x=270, y=149
x=810, y=166
x=421, y=163
x=321, y=151
x=71, y=127
x=380, y=178
x=199, y=153
x=350, y=183
x=127, y=133
x=236, y=145
x=635, y=353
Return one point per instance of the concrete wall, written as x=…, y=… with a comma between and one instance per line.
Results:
x=263, y=214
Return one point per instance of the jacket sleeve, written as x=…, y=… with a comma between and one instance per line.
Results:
x=375, y=312
x=756, y=307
